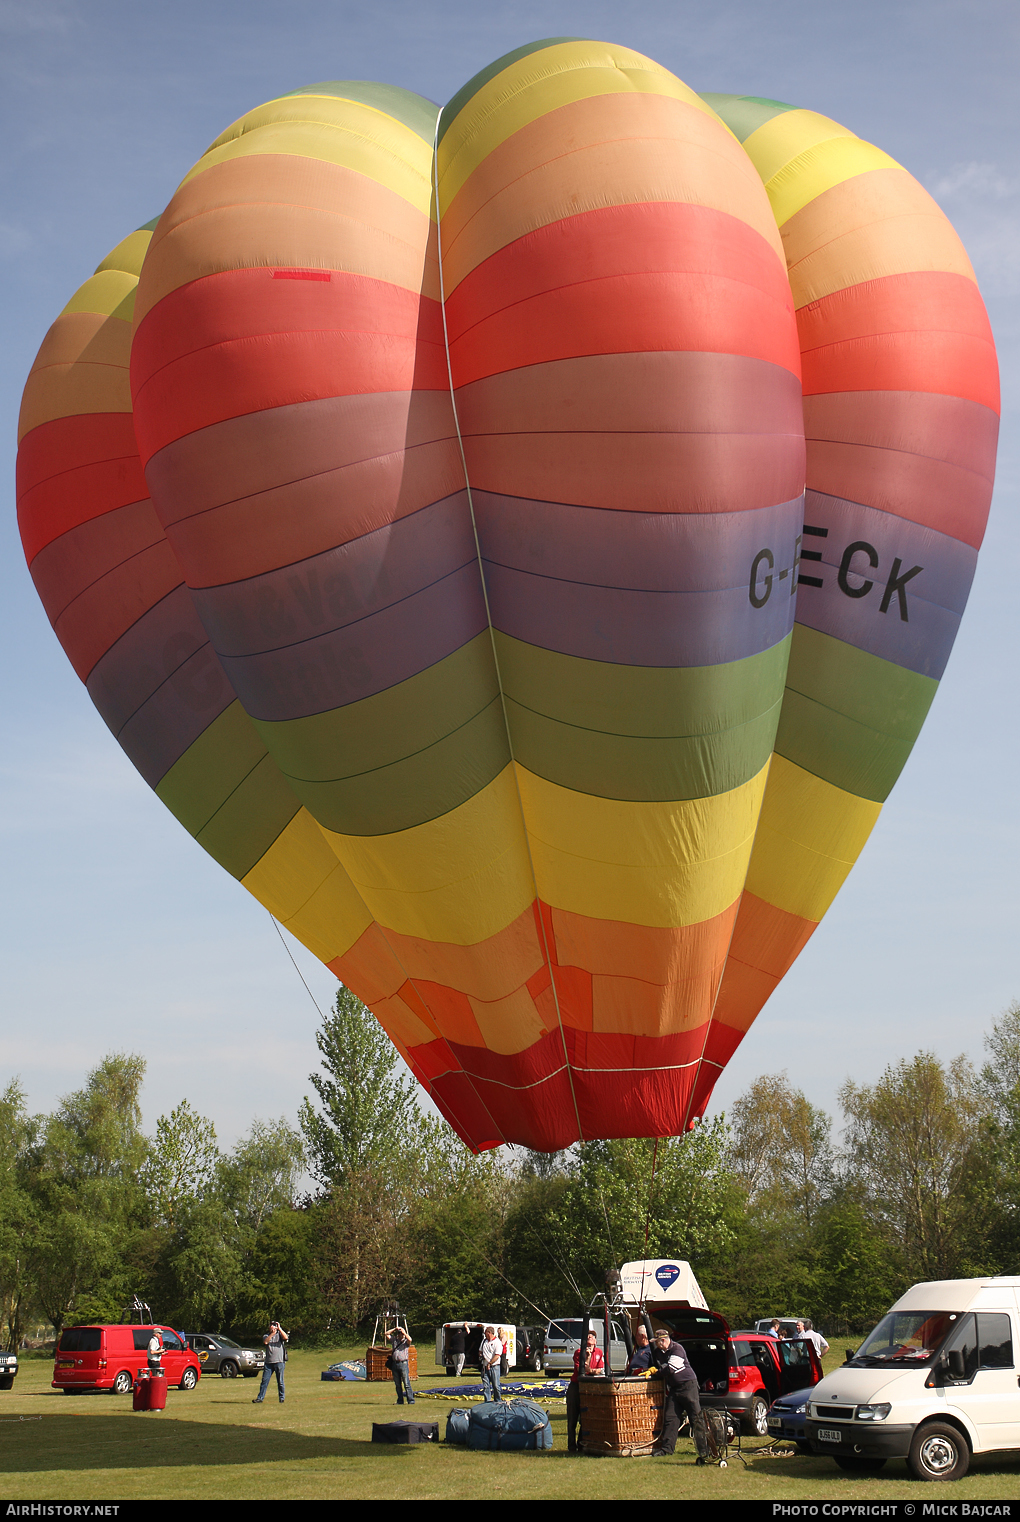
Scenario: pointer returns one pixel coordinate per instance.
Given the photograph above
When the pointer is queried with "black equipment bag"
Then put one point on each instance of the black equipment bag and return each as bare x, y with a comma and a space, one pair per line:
405, 1432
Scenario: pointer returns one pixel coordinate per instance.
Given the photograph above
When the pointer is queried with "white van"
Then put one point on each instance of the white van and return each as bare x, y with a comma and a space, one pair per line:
934, 1382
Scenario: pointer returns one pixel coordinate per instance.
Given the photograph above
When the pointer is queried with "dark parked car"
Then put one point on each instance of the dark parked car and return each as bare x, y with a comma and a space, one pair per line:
788, 1418
8, 1369
742, 1373
528, 1345
224, 1356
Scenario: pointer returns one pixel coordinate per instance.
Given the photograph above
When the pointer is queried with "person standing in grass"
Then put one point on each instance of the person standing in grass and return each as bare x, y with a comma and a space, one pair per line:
489, 1355
594, 1366
400, 1358
456, 1346
275, 1340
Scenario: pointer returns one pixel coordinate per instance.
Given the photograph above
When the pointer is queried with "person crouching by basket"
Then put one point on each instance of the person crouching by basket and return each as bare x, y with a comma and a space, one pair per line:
400, 1360
681, 1391
594, 1364
489, 1355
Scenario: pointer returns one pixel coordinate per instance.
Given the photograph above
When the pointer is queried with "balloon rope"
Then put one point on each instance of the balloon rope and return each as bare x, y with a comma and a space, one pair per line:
492, 636
648, 1217
295, 966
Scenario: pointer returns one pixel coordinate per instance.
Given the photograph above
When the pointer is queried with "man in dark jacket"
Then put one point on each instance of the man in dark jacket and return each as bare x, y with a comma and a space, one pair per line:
456, 1346
681, 1390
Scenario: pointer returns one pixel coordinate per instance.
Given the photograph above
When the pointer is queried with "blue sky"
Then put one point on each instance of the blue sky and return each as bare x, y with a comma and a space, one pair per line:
118, 933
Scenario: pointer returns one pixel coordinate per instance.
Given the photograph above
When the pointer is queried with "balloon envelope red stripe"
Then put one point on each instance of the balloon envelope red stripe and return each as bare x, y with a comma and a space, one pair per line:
74, 469
240, 342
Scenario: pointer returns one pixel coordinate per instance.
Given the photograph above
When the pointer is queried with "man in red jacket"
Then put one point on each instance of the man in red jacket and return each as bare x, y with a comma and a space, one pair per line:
594, 1364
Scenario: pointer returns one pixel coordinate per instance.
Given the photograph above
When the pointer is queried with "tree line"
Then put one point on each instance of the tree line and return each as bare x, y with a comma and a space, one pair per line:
777, 1210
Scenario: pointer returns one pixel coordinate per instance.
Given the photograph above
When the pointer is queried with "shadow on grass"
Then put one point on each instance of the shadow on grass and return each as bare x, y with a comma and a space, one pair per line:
61, 1443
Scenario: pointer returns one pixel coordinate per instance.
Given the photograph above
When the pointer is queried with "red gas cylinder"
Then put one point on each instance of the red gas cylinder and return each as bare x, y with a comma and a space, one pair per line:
150, 1391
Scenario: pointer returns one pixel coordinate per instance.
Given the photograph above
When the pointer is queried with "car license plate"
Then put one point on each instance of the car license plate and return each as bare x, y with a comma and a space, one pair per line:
829, 1435
775, 1421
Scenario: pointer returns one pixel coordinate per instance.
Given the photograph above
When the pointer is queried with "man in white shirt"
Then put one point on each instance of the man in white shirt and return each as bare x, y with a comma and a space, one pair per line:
806, 1333
489, 1355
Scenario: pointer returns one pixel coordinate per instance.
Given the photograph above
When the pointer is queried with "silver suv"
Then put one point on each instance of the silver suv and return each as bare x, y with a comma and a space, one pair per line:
224, 1356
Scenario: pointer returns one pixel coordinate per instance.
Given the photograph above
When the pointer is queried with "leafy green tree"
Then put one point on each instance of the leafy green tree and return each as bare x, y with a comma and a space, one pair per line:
262, 1173
781, 1147
999, 1081
630, 1199
181, 1165
282, 1282
207, 1272
913, 1149
367, 1111
198, 1275
854, 1280
454, 1234
91, 1249
999, 1084
18, 1220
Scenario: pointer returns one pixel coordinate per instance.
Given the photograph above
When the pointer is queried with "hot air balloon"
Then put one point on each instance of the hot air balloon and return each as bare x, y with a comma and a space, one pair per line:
422, 499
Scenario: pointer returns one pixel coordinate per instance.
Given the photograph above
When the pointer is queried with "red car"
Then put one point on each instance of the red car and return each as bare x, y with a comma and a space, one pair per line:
108, 1358
739, 1372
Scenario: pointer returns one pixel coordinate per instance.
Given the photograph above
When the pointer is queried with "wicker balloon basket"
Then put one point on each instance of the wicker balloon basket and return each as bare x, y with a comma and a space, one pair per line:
375, 1363
620, 1417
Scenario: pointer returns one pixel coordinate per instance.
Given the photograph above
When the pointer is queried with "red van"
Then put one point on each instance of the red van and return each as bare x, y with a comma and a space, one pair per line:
108, 1358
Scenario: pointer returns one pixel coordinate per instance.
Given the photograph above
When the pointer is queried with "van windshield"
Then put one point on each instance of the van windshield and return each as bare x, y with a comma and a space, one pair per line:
906, 1337
569, 1330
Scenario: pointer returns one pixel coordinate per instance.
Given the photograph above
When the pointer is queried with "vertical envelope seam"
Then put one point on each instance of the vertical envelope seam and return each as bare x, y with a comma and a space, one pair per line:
540, 917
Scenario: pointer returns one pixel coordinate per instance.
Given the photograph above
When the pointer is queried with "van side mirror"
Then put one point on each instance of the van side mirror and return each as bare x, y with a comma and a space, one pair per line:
850, 1353
957, 1366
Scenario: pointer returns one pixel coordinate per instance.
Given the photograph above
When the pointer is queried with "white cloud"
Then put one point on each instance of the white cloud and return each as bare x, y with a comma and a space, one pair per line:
13, 239
20, 20
975, 180
983, 203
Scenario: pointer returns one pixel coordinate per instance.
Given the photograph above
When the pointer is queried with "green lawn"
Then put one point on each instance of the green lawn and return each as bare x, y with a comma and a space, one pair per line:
214, 1444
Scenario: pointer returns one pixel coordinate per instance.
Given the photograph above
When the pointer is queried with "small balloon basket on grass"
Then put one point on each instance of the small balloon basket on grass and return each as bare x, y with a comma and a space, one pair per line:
620, 1417
375, 1363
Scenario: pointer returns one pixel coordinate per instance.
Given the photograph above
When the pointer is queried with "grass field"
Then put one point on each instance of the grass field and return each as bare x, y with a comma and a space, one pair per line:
214, 1444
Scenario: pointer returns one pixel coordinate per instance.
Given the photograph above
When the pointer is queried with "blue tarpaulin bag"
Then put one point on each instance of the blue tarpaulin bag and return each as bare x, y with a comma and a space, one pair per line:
509, 1424
457, 1427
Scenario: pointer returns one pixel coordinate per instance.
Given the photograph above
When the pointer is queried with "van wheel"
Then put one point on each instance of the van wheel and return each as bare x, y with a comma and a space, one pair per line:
857, 1462
189, 1379
121, 1385
757, 1423
938, 1452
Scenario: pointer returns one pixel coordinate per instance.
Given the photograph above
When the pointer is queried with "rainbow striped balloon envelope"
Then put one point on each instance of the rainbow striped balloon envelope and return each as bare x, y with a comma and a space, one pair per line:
521, 542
